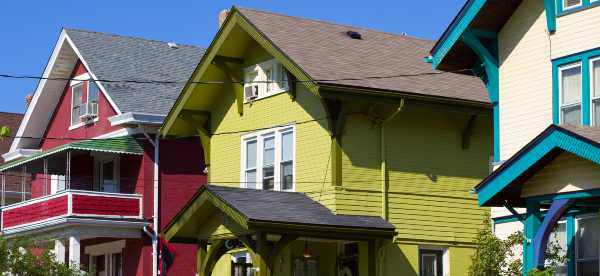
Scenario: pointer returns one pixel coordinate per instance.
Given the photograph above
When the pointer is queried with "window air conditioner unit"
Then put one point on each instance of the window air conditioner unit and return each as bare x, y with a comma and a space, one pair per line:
88, 111
251, 92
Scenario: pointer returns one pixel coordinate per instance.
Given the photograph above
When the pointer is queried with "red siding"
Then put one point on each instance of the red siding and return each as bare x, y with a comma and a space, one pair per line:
35, 212
61, 119
182, 166
103, 205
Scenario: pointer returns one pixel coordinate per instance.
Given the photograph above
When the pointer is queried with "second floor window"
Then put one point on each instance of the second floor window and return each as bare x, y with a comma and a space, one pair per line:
268, 160
76, 101
264, 80
570, 94
569, 4
595, 67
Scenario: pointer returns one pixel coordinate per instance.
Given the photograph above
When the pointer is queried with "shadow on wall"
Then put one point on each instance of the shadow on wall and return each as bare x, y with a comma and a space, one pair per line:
397, 263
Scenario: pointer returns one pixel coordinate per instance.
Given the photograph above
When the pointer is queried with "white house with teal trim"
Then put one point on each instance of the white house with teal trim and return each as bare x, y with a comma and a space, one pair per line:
540, 60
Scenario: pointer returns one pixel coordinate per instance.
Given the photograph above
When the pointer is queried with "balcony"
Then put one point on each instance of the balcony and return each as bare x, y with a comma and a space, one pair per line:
57, 209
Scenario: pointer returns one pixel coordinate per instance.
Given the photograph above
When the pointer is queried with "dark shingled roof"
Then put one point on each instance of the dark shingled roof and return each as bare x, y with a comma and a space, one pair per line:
290, 207
325, 52
590, 133
116, 57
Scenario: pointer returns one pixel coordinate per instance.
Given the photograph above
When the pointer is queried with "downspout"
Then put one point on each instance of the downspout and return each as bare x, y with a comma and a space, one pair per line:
155, 144
382, 145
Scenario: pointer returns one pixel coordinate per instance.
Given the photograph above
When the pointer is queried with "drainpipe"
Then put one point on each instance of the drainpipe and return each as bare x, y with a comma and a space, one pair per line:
155, 144
382, 145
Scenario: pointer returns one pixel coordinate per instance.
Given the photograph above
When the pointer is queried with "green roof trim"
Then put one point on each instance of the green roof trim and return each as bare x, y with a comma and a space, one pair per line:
119, 145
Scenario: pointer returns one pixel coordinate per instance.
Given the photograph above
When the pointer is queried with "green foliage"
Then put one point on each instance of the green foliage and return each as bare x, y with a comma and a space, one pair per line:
4, 132
24, 257
496, 257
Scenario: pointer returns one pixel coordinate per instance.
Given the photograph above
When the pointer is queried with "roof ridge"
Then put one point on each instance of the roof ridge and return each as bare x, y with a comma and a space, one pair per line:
336, 24
131, 37
14, 113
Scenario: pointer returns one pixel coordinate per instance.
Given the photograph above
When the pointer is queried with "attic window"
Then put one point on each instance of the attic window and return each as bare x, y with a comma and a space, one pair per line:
354, 34
568, 4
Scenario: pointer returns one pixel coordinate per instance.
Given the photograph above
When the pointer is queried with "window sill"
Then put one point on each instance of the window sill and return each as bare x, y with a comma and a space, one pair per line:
78, 125
274, 93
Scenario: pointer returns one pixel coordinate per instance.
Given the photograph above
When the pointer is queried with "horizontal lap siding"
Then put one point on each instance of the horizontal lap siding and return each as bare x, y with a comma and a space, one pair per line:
35, 212
525, 54
430, 176
101, 205
566, 173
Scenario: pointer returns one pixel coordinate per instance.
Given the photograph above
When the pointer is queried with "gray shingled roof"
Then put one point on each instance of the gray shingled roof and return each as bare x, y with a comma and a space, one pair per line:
290, 207
324, 51
116, 57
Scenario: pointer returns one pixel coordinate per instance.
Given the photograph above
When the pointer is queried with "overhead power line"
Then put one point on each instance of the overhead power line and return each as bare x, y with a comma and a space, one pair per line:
141, 81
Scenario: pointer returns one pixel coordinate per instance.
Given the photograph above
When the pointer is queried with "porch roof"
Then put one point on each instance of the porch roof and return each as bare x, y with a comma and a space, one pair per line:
260, 210
505, 183
118, 145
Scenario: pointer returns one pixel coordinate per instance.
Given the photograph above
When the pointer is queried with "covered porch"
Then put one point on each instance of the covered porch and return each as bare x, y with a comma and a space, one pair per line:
79, 192
256, 232
556, 180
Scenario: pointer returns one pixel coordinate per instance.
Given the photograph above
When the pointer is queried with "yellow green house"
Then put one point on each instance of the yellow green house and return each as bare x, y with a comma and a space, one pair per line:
330, 150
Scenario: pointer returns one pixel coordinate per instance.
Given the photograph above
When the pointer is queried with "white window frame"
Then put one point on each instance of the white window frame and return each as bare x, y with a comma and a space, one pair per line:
107, 250
565, 8
75, 125
576, 253
560, 91
445, 257
79, 80
592, 88
278, 85
259, 137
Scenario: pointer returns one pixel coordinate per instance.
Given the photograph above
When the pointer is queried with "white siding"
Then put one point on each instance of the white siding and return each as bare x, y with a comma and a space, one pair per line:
525, 52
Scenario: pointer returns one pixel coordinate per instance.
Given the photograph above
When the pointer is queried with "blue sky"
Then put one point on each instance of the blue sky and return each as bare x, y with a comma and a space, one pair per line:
29, 29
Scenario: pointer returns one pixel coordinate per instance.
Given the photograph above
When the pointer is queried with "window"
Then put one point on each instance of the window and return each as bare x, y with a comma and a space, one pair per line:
268, 159
241, 264
595, 78
264, 79
76, 101
586, 243
570, 94
558, 237
431, 262
305, 267
106, 259
106, 173
569, 4
57, 183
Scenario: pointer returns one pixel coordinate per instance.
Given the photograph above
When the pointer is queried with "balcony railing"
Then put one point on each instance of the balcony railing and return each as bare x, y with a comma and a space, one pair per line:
70, 203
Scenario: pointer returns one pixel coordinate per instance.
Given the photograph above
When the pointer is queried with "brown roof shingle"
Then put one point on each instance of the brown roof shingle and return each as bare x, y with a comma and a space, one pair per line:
11, 120
325, 52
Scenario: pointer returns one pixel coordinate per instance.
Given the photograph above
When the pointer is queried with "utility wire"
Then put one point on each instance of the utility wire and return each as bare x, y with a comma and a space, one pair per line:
9, 76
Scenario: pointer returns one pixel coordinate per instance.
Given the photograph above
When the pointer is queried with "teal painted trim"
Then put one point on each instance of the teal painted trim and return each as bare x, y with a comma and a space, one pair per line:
532, 225
571, 245
550, 15
483, 33
490, 62
455, 32
584, 59
585, 4
506, 219
556, 139
555, 96
585, 92
513, 218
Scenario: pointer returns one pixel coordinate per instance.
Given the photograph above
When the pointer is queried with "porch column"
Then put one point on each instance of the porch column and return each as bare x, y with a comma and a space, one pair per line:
260, 258
74, 250
3, 189
59, 250
372, 258
68, 171
532, 225
23, 182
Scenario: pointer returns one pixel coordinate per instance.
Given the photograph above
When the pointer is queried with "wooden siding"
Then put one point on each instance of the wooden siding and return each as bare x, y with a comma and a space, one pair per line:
525, 54
430, 175
566, 173
104, 205
35, 212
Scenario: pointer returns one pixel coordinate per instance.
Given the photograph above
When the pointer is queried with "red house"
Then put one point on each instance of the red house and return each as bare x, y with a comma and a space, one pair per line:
88, 142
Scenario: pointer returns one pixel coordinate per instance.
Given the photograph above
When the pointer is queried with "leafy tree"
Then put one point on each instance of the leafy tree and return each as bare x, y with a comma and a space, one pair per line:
497, 257
24, 257
4, 132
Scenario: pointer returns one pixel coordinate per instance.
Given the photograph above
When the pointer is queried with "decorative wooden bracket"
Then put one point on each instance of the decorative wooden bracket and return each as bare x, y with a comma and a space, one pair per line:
234, 75
200, 121
216, 250
292, 85
467, 132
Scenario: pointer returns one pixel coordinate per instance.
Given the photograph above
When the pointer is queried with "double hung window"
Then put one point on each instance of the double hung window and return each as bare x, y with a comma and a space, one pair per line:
76, 101
595, 79
264, 79
570, 94
268, 160
586, 245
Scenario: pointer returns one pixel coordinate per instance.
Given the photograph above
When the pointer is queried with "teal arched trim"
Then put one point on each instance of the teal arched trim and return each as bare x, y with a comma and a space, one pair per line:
552, 138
